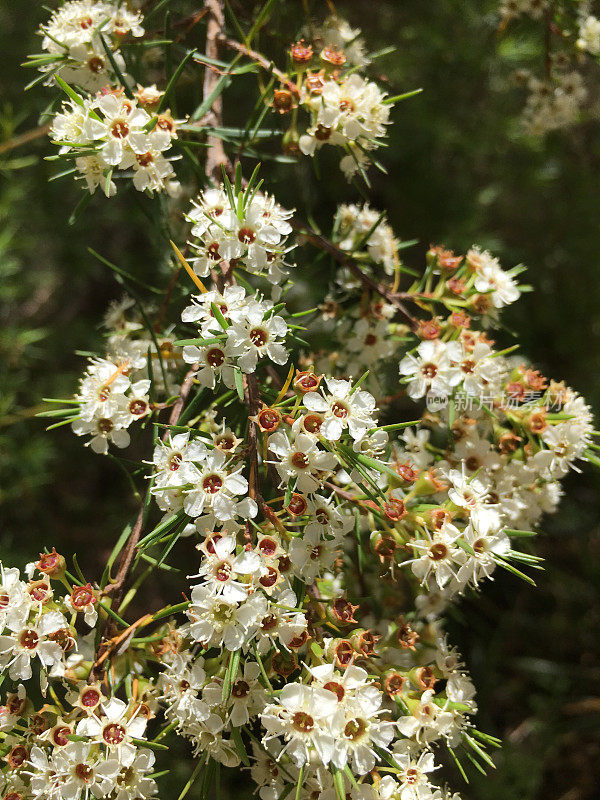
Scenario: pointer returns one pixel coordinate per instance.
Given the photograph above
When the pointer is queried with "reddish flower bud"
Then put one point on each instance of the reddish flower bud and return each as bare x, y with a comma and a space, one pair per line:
283, 101
334, 56
284, 663
343, 610
17, 756
267, 419
315, 81
82, 597
384, 546
406, 636
424, 677
297, 505
301, 52
307, 381
429, 329
393, 683
394, 509
52, 564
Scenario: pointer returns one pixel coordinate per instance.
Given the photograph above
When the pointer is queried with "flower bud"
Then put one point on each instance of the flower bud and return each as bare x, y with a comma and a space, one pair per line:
406, 636
297, 505
306, 381
267, 419
52, 564
17, 756
394, 682
394, 509
423, 677
428, 483
342, 611
333, 55
341, 652
283, 101
284, 663
301, 52
364, 641
383, 545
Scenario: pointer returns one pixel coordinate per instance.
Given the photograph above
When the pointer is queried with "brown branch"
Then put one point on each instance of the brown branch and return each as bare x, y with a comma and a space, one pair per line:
347, 261
23, 138
216, 156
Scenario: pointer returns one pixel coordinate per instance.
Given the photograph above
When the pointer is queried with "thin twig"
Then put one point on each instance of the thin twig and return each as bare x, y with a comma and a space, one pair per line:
23, 138
347, 261
259, 59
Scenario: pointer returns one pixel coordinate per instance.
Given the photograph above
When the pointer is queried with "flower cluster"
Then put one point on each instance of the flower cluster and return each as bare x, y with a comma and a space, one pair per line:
564, 94
79, 37
114, 391
236, 332
251, 233
111, 134
326, 536
349, 112
361, 227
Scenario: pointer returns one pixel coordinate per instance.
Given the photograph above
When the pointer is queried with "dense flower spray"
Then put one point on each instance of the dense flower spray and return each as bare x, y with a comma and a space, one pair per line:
336, 477
561, 83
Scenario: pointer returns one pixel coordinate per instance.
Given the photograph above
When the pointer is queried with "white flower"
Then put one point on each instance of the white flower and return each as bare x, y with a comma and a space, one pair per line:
430, 370
15, 602
82, 772
427, 722
101, 389
490, 277
28, 640
302, 718
216, 489
175, 459
214, 364
217, 622
231, 303
480, 561
117, 130
115, 728
589, 35
439, 552
350, 113
415, 447
472, 495
255, 337
301, 460
343, 408
221, 568
280, 623
412, 781
355, 725
181, 683
102, 430
247, 696
313, 553
253, 234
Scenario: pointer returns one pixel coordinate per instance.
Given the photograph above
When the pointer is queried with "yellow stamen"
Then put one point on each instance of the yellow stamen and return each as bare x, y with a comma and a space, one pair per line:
188, 269
124, 366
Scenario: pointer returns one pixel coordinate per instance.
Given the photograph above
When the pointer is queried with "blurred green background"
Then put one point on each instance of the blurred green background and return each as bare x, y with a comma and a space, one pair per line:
459, 173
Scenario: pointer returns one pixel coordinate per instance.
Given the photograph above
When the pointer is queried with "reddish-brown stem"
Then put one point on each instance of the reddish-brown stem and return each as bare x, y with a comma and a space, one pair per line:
23, 138
347, 261
259, 59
